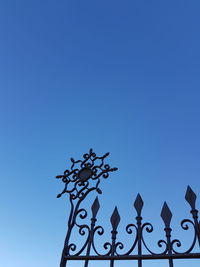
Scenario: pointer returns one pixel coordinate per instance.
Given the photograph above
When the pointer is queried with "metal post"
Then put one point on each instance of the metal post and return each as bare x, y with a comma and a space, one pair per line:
139, 236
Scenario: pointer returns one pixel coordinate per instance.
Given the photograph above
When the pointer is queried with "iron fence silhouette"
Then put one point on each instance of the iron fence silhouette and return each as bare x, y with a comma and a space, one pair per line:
83, 177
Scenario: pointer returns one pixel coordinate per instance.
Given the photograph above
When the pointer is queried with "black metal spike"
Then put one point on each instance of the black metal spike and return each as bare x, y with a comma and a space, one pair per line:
190, 197
138, 204
106, 154
113, 169
115, 219
95, 207
166, 215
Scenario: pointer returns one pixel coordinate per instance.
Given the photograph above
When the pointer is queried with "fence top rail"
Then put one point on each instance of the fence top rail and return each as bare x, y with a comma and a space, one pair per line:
136, 257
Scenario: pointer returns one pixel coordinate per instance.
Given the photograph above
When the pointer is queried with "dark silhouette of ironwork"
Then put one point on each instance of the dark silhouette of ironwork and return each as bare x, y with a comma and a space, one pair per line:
84, 177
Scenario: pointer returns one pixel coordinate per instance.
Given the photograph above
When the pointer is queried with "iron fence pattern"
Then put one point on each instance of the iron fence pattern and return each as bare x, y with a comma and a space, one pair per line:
85, 176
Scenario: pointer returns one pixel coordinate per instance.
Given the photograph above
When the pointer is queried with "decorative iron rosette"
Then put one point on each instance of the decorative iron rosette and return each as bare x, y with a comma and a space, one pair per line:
84, 175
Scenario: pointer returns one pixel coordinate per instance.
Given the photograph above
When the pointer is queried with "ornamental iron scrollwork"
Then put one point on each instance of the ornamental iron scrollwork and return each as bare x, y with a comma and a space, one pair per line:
84, 177
78, 178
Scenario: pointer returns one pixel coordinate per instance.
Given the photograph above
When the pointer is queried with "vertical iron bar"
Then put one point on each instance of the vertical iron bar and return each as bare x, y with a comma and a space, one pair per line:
138, 204
115, 219
71, 222
91, 236
139, 236
168, 236
196, 223
114, 234
166, 215
63, 261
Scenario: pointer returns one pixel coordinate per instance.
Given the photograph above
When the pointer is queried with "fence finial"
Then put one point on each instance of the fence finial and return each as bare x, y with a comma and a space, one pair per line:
138, 204
115, 219
190, 197
95, 207
166, 215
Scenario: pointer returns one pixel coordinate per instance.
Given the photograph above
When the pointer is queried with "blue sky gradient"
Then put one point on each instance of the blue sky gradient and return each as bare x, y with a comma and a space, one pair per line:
118, 76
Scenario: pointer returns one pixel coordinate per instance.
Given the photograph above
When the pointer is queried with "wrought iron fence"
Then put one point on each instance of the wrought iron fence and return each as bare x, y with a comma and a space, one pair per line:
85, 176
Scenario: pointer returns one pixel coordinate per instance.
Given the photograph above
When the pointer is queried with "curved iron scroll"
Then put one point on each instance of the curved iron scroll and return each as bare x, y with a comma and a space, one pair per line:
83, 177
114, 249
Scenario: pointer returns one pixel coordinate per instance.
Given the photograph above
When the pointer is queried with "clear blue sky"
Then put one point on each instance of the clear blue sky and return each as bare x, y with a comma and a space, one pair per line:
118, 76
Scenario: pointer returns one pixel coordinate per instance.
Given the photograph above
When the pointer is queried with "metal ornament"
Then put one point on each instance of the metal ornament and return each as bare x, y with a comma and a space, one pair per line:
84, 177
